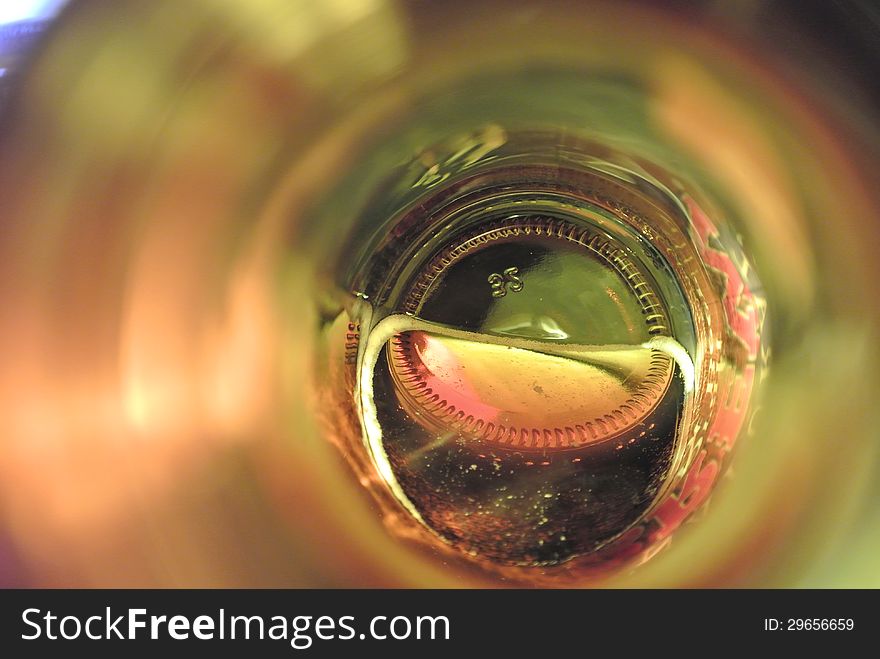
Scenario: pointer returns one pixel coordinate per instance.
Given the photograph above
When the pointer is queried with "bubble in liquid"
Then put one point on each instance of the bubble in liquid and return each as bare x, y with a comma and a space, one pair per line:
562, 362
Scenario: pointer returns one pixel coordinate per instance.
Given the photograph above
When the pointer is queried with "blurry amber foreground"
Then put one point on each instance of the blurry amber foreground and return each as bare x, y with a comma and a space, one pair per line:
157, 421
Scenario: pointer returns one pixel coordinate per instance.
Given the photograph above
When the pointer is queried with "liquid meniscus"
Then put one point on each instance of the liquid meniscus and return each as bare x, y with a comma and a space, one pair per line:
534, 354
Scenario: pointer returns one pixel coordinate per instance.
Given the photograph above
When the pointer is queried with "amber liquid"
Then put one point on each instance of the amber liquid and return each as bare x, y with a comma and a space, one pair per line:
530, 355
524, 402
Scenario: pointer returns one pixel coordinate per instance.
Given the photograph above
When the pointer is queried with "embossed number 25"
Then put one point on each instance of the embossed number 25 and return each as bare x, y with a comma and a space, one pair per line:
509, 281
